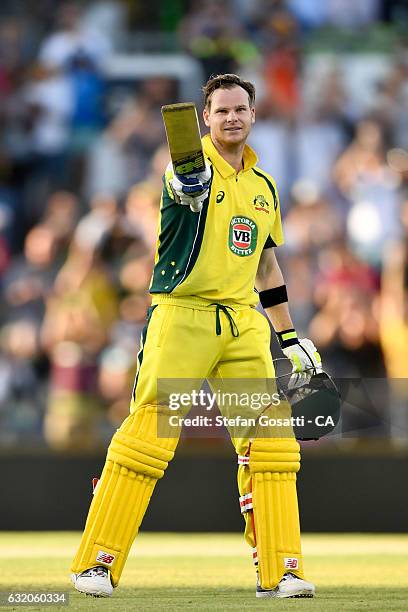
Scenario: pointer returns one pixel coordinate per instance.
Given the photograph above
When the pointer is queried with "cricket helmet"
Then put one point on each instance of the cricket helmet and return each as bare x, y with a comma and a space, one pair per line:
315, 404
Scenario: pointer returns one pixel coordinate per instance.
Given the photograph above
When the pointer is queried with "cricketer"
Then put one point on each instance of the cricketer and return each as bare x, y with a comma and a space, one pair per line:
216, 242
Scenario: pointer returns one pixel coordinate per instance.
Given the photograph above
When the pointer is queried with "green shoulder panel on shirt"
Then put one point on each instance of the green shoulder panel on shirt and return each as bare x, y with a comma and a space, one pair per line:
180, 238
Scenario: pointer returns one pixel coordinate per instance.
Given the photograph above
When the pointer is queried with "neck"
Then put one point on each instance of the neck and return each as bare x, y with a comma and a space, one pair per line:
233, 155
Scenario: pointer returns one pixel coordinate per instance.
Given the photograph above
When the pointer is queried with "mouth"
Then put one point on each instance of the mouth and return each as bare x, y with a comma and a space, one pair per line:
232, 129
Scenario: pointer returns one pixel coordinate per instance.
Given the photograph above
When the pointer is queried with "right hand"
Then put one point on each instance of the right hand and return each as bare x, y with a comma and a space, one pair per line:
192, 189
305, 360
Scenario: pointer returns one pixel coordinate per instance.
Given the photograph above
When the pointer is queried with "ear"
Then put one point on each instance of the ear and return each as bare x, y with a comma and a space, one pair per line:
253, 114
206, 115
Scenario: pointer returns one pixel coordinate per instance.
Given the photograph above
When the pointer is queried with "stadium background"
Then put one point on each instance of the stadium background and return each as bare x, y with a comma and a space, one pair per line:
81, 157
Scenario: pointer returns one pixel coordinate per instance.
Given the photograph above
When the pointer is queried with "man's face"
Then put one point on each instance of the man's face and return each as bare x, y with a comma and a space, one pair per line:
229, 116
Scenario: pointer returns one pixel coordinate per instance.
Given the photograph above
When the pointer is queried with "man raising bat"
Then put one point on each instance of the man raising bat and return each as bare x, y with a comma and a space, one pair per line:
203, 324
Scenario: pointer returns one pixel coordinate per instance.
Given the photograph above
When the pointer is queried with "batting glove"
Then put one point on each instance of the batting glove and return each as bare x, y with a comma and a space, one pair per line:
305, 360
192, 190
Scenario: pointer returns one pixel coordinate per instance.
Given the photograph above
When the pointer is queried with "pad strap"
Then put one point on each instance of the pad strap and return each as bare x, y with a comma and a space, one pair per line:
243, 460
245, 502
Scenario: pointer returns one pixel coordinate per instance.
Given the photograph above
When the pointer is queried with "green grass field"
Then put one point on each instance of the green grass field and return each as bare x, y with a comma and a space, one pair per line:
213, 572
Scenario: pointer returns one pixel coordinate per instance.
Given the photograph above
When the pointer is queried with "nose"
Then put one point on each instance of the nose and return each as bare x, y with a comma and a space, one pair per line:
232, 116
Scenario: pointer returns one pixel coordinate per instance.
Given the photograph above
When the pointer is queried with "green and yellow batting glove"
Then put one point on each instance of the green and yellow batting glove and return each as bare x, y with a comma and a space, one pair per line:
302, 354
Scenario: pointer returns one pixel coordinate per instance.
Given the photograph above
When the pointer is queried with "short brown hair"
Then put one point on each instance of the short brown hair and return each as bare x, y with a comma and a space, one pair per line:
227, 81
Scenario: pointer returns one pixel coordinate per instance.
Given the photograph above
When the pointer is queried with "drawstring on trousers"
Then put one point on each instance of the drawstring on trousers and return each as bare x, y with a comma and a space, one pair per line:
225, 310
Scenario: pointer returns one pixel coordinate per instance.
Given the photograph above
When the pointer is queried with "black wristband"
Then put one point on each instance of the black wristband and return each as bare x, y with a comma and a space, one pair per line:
286, 338
273, 297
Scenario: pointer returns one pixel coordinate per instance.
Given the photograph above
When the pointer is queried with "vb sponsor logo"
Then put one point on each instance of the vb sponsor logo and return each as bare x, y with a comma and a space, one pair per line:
243, 235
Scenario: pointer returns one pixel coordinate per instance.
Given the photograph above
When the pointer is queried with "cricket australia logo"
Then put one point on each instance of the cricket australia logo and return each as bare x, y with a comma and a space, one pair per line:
260, 203
243, 234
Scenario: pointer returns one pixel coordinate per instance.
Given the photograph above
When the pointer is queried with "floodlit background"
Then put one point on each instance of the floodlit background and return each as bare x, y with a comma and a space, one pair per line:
82, 152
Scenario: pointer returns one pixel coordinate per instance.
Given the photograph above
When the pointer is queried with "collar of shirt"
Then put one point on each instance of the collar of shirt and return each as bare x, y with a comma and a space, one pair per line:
250, 158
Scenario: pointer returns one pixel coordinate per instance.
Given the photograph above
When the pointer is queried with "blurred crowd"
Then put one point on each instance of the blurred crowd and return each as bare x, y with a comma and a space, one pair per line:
81, 177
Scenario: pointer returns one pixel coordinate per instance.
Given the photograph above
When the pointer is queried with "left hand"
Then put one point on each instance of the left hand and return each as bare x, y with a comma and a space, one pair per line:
305, 360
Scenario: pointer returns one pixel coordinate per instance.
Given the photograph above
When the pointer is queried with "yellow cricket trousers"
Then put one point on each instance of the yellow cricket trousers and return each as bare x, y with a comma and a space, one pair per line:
183, 339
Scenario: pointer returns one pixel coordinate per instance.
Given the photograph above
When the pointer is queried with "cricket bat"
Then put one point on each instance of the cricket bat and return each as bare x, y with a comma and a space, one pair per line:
183, 137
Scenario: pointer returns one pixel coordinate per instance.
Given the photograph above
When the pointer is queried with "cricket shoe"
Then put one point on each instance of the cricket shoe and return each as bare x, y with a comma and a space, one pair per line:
94, 581
289, 586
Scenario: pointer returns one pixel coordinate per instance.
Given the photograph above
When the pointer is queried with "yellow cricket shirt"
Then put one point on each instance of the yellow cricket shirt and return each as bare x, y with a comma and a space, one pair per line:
214, 254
